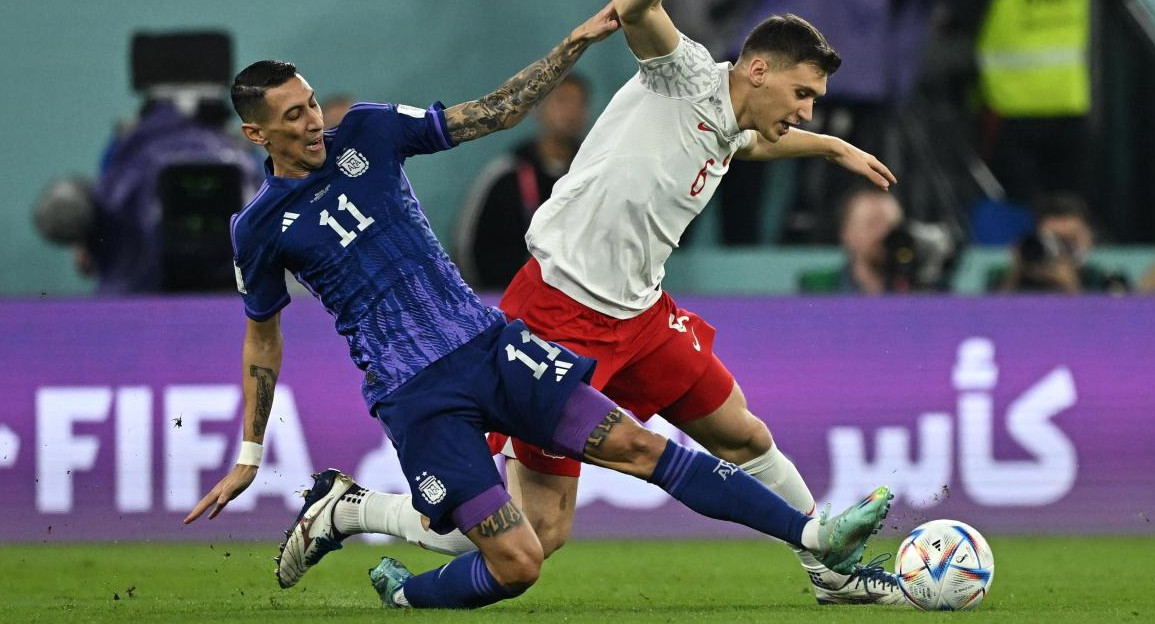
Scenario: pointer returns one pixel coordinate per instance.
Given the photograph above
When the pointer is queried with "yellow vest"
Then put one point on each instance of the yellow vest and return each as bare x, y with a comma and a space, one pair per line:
1033, 57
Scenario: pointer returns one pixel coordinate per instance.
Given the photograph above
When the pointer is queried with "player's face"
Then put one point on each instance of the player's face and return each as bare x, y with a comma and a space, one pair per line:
785, 97
292, 129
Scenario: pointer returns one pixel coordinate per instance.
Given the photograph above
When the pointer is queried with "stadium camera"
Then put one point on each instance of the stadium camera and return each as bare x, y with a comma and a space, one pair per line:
918, 257
190, 69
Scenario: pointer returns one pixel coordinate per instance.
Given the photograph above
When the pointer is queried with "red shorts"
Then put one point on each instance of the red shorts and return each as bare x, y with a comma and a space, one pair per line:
661, 361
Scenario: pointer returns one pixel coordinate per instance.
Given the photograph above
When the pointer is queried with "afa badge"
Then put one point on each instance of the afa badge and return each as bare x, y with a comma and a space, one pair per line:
352, 163
431, 488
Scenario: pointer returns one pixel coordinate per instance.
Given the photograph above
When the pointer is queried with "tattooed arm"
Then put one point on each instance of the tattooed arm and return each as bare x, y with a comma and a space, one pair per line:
261, 359
512, 101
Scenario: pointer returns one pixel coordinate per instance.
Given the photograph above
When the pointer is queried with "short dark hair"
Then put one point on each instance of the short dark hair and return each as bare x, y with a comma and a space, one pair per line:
1059, 204
250, 85
791, 40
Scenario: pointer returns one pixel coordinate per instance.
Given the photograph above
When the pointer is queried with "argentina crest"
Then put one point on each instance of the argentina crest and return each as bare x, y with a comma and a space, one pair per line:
352, 163
431, 488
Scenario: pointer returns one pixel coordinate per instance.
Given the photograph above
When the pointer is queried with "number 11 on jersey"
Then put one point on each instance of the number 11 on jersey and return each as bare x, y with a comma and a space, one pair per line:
348, 206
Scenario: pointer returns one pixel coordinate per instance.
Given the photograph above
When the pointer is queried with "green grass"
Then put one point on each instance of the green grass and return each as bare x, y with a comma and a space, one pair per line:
1049, 580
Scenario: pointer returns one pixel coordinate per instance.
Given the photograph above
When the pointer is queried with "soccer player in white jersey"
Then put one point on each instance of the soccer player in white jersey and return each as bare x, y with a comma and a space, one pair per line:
650, 164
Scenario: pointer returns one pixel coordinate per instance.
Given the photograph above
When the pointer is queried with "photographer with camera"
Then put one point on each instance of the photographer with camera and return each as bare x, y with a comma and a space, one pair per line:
1053, 258
884, 252
867, 219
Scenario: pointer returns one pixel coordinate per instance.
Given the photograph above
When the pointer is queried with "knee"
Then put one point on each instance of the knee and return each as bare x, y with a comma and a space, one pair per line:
553, 535
518, 569
645, 446
743, 443
525, 569
629, 443
643, 449
628, 448
759, 441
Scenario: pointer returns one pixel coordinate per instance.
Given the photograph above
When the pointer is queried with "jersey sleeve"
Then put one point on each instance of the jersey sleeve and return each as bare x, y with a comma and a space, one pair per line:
260, 277
411, 130
689, 72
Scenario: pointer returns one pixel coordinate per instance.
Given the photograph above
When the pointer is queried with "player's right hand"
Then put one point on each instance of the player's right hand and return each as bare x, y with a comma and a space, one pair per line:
864, 164
603, 24
236, 481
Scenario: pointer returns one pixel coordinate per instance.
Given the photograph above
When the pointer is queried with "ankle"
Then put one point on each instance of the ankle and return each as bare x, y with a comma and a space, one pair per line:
810, 532
348, 514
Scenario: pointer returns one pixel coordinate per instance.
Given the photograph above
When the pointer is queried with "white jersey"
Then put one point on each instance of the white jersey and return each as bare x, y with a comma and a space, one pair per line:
653, 159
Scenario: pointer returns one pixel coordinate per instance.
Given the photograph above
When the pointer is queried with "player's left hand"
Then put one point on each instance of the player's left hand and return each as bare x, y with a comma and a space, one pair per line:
864, 164
237, 481
603, 24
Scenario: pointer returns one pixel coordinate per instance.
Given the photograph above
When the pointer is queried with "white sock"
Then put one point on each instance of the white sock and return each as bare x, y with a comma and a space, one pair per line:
778, 473
809, 539
347, 513
366, 511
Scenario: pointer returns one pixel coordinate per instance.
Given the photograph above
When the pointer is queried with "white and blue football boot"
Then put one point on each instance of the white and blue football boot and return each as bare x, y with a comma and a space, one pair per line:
313, 534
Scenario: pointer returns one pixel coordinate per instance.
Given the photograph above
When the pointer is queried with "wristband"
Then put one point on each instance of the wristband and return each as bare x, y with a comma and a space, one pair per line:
250, 454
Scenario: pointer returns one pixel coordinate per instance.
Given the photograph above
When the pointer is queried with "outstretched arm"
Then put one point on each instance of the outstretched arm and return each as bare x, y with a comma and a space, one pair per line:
512, 101
261, 360
649, 30
800, 143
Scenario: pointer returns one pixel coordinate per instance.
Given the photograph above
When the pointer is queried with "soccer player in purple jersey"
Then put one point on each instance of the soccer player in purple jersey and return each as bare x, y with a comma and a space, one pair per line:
441, 368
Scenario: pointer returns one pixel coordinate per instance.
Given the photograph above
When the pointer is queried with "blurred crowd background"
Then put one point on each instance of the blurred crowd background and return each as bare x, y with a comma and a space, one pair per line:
1018, 130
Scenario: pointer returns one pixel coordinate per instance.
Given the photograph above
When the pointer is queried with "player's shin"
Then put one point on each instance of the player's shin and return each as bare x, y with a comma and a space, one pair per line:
367, 511
710, 486
777, 472
464, 583
719, 489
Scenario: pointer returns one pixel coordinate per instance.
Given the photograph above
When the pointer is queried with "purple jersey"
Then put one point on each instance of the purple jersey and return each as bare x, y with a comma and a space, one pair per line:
354, 234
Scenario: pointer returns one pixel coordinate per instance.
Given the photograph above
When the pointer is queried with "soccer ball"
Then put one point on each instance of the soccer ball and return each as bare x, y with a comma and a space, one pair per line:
945, 565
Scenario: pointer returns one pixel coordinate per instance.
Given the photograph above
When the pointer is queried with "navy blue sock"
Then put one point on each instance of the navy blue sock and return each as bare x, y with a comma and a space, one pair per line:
464, 583
719, 489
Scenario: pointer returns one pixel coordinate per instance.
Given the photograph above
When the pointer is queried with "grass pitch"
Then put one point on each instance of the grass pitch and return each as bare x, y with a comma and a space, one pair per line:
1050, 580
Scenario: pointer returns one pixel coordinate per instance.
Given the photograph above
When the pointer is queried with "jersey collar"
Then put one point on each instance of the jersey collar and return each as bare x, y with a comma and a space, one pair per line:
727, 116
283, 182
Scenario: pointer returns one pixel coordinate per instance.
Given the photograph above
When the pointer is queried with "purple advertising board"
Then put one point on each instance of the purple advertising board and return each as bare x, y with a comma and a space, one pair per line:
1017, 415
